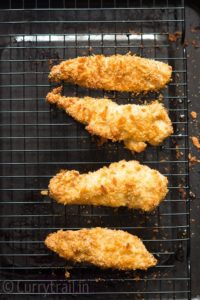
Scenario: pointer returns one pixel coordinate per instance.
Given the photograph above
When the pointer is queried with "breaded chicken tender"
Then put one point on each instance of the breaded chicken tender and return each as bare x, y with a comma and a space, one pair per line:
102, 247
134, 124
128, 73
124, 183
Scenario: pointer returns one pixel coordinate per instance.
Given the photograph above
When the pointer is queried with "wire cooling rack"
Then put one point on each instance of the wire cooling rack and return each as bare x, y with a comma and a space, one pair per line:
38, 140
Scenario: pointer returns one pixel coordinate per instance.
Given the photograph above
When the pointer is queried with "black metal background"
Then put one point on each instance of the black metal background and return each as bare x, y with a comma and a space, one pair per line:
38, 140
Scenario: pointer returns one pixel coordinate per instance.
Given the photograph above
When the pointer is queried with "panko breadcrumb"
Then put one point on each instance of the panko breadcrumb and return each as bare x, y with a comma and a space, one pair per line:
44, 193
124, 183
134, 124
128, 73
102, 247
195, 142
193, 115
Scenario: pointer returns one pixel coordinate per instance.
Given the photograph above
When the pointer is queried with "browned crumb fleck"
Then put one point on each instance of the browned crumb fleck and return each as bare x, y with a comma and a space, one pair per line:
186, 43
192, 195
174, 36
182, 192
136, 278
50, 63
133, 32
178, 152
160, 97
193, 159
194, 29
193, 115
195, 44
103, 189
196, 142
44, 193
67, 274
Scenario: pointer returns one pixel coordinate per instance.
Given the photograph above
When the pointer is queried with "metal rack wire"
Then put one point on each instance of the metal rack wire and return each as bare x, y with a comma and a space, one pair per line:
38, 140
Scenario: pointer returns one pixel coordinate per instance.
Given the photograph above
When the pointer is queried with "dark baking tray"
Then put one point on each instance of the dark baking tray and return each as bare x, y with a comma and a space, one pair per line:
38, 140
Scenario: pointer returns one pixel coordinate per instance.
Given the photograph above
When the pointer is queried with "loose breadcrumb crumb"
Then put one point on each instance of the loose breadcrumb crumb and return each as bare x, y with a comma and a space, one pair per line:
193, 115
195, 44
193, 159
195, 29
67, 274
174, 36
182, 192
196, 142
178, 152
137, 278
44, 193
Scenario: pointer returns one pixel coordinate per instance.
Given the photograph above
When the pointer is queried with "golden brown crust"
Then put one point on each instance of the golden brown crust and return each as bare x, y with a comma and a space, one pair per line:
102, 247
134, 124
117, 72
121, 184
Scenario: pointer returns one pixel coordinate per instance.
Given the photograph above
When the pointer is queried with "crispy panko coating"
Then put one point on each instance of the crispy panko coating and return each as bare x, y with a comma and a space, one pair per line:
124, 183
102, 247
131, 123
128, 73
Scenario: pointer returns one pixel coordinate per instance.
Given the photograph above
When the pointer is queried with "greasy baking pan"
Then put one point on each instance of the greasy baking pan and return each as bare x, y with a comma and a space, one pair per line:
38, 140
